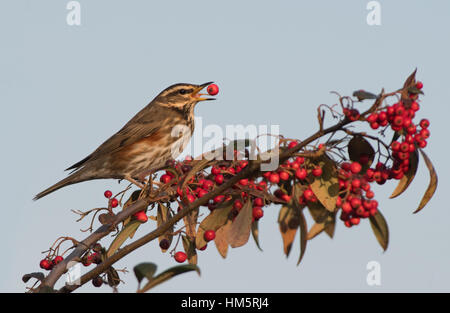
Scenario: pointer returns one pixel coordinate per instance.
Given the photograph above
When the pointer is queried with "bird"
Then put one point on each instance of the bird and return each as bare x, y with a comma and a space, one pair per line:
156, 134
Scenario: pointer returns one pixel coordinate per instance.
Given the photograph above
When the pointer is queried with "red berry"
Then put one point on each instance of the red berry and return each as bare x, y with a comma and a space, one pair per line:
108, 194
374, 125
355, 202
317, 171
213, 89
372, 118
292, 144
257, 212
238, 205
209, 235
274, 178
45, 264
424, 123
165, 178
180, 256
301, 173
308, 194
218, 179
243, 182
219, 198
354, 220
370, 194
203, 248
419, 85
284, 175
424, 133
141, 216
215, 171
258, 202
57, 259
355, 167
114, 202
346, 207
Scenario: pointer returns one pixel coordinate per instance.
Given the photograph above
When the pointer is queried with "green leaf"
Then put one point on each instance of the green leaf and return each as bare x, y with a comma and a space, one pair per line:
380, 229
162, 217
122, 236
168, 274
239, 231
358, 147
255, 234
326, 187
145, 270
431, 186
406, 180
213, 221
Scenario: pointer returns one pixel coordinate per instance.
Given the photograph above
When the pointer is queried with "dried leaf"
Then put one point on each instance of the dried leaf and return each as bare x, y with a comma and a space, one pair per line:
221, 240
239, 231
190, 221
132, 199
358, 147
289, 221
255, 234
189, 248
432, 185
213, 221
112, 277
168, 274
362, 95
410, 82
326, 187
145, 270
380, 229
122, 236
162, 217
315, 230
408, 177
105, 218
38, 275
330, 225
303, 236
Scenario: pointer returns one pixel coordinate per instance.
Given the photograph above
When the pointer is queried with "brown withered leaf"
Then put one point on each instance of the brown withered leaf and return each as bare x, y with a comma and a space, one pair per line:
213, 221
163, 215
221, 240
358, 146
380, 229
406, 180
122, 236
239, 231
432, 185
112, 277
318, 212
106, 218
315, 230
189, 248
303, 235
190, 221
289, 221
326, 187
410, 82
330, 225
255, 234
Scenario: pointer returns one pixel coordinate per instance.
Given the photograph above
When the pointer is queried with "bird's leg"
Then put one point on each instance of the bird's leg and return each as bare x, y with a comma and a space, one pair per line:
135, 182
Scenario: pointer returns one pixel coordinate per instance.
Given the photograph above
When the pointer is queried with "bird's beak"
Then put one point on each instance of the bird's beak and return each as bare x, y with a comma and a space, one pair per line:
197, 95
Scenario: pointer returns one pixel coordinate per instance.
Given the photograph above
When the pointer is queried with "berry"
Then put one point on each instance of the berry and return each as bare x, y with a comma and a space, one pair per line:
97, 281
301, 173
141, 216
180, 256
45, 264
209, 235
213, 89
284, 175
424, 123
164, 244
108, 194
274, 178
355, 167
238, 204
354, 220
317, 171
257, 213
419, 85
57, 259
258, 202
114, 202
218, 179
165, 178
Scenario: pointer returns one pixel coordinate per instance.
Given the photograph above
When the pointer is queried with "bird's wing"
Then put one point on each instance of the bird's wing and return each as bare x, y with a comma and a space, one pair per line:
147, 122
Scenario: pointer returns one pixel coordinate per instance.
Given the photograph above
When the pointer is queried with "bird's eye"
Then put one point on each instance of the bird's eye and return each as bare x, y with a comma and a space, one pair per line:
183, 91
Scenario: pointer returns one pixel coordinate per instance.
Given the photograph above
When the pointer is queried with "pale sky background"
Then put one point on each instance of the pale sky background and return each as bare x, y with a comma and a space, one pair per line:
65, 89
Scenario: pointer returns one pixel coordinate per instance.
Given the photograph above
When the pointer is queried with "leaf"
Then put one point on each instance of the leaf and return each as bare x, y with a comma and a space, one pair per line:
432, 185
358, 146
288, 220
105, 218
162, 217
410, 82
213, 221
190, 220
326, 187
113, 277
132, 199
189, 248
239, 231
406, 180
145, 270
255, 234
38, 275
303, 236
221, 240
122, 236
362, 95
330, 225
316, 229
168, 274
380, 229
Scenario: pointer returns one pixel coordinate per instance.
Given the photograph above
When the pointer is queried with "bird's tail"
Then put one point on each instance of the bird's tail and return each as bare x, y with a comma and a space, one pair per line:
76, 177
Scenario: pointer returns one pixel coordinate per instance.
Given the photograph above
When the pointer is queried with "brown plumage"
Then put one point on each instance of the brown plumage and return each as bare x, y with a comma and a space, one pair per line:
159, 132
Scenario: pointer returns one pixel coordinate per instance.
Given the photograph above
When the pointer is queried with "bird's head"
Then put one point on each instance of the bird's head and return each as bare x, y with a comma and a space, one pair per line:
182, 96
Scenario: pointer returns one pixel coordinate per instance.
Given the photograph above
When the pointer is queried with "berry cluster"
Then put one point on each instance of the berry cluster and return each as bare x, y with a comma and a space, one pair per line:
47, 263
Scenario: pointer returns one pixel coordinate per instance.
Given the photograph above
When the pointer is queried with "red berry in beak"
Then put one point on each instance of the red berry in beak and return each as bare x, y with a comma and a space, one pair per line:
213, 89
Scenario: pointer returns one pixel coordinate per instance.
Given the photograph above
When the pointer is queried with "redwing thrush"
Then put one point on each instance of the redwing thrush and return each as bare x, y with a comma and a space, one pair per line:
159, 132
